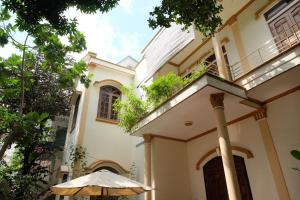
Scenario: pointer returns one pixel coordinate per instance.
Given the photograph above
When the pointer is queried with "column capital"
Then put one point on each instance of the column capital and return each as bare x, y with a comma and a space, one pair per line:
217, 99
260, 114
147, 138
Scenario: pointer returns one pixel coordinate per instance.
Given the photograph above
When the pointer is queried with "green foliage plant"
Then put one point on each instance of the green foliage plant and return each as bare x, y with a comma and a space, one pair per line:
203, 14
35, 86
26, 168
131, 109
201, 69
296, 155
163, 88
78, 154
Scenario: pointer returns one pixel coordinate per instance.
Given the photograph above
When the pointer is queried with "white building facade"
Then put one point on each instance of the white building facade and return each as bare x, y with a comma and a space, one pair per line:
243, 114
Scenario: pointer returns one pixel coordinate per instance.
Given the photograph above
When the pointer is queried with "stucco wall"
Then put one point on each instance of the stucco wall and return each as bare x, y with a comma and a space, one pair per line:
245, 134
72, 134
284, 122
105, 141
138, 159
169, 170
254, 32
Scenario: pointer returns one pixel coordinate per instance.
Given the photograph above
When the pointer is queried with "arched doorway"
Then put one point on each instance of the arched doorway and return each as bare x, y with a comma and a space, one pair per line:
214, 177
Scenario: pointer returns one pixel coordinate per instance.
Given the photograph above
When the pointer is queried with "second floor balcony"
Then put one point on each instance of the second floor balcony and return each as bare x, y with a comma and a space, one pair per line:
270, 68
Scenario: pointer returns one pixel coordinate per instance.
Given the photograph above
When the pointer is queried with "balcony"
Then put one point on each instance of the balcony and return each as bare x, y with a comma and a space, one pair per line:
270, 52
191, 104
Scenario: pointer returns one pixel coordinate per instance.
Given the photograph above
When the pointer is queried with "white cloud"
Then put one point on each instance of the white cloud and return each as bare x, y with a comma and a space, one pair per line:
105, 39
126, 5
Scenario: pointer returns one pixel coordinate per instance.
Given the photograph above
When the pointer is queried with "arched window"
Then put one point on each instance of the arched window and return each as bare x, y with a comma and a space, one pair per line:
107, 97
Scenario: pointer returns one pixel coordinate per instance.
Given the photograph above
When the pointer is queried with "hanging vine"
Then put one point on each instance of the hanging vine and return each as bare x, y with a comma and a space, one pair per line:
78, 154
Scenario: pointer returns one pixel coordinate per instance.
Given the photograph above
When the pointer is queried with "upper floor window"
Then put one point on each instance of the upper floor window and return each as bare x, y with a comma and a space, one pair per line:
75, 113
107, 97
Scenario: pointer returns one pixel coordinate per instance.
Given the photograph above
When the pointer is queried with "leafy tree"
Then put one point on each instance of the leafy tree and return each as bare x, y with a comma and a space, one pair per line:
30, 163
36, 83
202, 13
35, 86
33, 13
45, 24
46, 94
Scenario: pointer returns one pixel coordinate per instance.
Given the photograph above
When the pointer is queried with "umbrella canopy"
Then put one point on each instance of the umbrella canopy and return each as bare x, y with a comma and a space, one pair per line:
100, 183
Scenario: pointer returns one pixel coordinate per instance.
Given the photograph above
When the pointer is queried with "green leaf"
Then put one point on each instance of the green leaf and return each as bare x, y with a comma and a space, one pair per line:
203, 14
295, 154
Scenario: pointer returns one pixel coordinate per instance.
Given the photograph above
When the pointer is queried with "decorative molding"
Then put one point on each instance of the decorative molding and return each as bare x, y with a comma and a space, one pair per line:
111, 82
106, 163
264, 7
224, 40
243, 150
202, 134
217, 99
174, 64
260, 114
283, 94
168, 138
147, 138
236, 15
107, 120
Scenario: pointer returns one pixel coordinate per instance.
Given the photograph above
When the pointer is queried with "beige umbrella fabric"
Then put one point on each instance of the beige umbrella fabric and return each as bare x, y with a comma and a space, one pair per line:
100, 183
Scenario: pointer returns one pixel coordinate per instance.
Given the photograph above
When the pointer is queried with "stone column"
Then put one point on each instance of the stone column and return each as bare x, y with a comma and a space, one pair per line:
239, 44
225, 147
147, 162
261, 118
222, 68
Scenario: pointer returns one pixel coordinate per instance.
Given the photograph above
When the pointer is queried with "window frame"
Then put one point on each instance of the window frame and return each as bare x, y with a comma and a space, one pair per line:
75, 113
110, 104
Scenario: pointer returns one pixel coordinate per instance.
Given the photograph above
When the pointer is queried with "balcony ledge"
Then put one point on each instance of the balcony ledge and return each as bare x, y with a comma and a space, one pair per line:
188, 103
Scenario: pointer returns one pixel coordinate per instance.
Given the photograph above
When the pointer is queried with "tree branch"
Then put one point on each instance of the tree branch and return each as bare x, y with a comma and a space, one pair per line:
11, 137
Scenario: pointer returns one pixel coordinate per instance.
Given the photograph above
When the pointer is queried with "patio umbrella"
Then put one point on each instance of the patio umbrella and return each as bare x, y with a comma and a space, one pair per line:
100, 183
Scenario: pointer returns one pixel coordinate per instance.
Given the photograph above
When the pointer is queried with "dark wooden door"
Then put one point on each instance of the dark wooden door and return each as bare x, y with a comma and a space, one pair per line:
215, 183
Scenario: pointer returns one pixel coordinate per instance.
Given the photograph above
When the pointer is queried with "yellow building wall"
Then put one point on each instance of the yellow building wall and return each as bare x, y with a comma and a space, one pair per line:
284, 122
244, 134
170, 170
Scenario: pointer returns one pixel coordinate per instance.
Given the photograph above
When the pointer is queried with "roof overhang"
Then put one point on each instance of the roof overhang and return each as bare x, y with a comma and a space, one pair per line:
192, 104
280, 85
109, 65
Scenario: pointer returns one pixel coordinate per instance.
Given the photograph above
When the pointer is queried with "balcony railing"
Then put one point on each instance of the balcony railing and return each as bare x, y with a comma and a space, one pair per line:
210, 67
273, 47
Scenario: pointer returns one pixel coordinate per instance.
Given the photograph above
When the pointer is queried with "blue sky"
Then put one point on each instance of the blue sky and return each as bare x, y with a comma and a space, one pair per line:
121, 32
114, 35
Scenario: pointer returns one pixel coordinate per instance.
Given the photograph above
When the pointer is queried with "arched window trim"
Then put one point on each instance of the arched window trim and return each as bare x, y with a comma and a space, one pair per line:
213, 151
111, 94
107, 163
